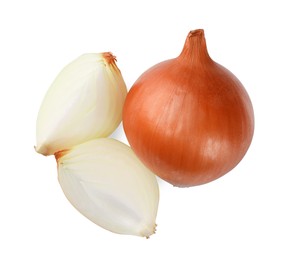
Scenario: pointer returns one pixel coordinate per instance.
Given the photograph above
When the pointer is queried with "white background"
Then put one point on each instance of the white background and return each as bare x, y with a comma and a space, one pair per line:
240, 216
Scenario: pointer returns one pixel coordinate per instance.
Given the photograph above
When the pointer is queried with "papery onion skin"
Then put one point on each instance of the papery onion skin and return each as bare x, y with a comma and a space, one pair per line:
84, 102
189, 119
105, 181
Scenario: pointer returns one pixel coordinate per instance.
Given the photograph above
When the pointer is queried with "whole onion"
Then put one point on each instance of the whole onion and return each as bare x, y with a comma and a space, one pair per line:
189, 119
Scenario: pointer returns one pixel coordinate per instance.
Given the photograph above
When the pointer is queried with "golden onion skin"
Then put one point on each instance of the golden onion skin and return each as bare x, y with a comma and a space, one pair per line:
189, 119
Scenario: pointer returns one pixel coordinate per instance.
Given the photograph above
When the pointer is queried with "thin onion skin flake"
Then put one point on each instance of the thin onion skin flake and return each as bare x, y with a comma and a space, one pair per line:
84, 102
106, 182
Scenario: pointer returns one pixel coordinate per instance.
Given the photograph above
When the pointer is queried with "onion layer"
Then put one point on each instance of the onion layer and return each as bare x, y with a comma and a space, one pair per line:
189, 119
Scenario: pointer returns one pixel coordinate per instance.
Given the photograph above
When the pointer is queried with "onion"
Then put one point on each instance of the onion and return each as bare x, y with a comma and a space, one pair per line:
189, 119
84, 102
108, 184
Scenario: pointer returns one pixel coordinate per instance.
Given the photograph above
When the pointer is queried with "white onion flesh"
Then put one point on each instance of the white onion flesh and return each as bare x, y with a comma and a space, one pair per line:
84, 102
106, 182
